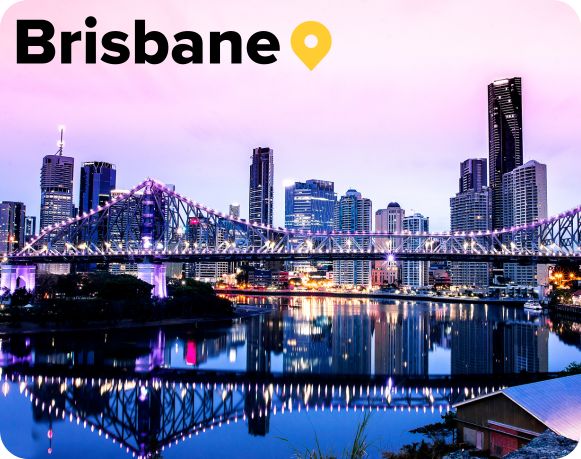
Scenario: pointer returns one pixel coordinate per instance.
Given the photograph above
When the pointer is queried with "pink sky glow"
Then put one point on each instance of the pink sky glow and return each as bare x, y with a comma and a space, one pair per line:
397, 104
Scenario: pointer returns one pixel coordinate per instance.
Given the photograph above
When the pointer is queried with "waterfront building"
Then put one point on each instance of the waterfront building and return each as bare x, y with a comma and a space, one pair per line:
415, 273
524, 194
261, 186
505, 138
471, 210
12, 226
98, 179
389, 220
352, 213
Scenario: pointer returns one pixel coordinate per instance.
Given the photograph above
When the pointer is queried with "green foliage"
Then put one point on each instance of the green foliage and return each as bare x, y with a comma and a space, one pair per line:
94, 285
358, 449
574, 368
78, 299
441, 436
20, 297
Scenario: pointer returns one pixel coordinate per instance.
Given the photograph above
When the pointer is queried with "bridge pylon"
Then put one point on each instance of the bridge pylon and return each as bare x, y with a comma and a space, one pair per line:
17, 276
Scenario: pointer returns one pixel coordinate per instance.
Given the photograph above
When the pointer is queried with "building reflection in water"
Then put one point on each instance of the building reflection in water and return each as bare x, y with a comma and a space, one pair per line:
497, 341
306, 338
315, 335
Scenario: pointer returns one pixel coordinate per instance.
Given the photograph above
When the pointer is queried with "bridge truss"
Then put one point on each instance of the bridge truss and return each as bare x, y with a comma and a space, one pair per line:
153, 222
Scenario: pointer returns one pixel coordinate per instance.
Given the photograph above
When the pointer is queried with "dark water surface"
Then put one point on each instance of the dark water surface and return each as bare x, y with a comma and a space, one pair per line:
267, 385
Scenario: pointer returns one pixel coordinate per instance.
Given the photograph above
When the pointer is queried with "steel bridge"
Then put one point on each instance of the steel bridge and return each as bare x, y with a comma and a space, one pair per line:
152, 224
146, 414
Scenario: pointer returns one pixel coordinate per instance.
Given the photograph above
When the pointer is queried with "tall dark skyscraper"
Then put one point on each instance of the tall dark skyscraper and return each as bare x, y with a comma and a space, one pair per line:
12, 223
261, 186
98, 179
504, 136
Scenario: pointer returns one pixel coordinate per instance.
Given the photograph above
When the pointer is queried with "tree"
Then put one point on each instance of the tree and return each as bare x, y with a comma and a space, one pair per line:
20, 297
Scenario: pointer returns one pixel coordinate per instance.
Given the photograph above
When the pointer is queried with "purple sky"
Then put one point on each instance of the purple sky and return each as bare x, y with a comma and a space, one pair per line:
398, 103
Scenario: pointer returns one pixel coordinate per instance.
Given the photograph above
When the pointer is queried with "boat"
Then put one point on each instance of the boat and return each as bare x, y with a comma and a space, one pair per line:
532, 305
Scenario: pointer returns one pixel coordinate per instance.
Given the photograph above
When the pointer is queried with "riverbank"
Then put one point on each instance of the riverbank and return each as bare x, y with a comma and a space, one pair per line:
566, 309
28, 328
376, 295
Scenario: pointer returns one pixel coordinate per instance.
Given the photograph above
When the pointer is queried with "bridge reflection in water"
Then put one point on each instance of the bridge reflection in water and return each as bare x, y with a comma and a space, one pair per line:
144, 416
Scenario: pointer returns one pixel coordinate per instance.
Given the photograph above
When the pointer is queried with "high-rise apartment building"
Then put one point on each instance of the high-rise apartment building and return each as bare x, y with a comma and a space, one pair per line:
389, 220
473, 175
415, 273
261, 186
353, 213
471, 210
12, 226
524, 194
98, 179
505, 138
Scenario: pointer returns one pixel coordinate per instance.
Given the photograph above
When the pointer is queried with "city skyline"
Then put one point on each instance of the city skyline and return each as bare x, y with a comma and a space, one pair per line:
467, 175
372, 125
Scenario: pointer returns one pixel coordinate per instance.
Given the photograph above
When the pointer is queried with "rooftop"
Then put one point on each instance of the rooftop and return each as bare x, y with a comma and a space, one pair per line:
555, 402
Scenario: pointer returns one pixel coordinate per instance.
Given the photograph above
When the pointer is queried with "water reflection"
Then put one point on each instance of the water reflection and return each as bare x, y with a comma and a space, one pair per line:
324, 336
144, 416
144, 390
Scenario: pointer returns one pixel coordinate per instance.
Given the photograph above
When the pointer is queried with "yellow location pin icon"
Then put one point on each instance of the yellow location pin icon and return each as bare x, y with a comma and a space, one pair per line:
311, 56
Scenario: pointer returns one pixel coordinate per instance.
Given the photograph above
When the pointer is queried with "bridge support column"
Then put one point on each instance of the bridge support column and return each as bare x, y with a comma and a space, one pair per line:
18, 276
153, 274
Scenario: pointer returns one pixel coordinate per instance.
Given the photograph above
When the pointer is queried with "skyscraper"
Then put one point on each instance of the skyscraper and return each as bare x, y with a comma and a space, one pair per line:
389, 220
353, 213
29, 228
12, 225
97, 180
524, 194
471, 210
415, 273
473, 175
261, 186
504, 136
310, 205
56, 187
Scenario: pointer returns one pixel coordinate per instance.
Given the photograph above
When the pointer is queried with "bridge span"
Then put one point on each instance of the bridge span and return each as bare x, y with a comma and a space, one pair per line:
152, 224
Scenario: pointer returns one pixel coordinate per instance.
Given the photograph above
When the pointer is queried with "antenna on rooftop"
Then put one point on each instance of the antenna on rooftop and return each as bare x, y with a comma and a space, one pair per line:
61, 143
